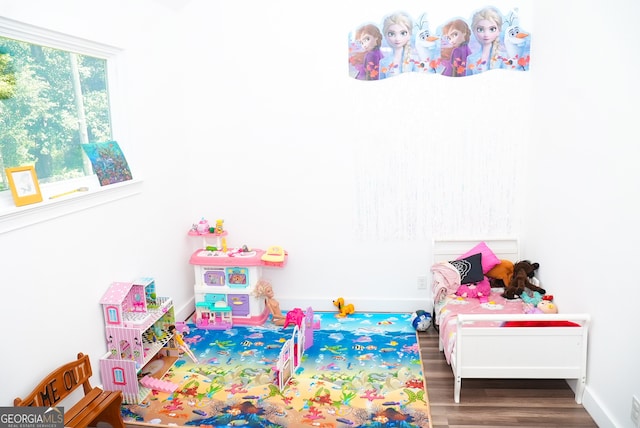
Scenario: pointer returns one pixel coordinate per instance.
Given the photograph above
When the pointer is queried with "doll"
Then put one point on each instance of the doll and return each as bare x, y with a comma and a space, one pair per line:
265, 289
182, 345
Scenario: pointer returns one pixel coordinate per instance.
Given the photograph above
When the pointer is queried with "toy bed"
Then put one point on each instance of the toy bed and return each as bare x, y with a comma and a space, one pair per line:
496, 338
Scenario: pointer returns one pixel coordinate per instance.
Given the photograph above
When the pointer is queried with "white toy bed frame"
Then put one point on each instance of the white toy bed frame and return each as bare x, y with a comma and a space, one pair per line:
514, 352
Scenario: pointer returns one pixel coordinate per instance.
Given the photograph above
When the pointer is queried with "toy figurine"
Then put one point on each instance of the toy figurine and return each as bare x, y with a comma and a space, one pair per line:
203, 226
344, 309
181, 343
294, 316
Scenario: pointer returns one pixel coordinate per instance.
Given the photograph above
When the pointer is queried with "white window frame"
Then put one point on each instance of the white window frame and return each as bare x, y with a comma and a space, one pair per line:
12, 217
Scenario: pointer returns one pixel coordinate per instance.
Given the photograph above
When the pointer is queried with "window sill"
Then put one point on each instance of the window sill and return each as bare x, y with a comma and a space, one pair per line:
18, 217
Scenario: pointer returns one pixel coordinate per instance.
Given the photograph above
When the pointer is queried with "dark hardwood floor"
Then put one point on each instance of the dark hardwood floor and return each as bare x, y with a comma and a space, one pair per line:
496, 403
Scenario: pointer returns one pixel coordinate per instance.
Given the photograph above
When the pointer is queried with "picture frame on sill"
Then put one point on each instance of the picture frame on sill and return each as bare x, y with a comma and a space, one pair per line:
23, 182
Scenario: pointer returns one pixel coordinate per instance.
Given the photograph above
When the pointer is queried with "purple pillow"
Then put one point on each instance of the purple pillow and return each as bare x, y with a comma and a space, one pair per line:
489, 259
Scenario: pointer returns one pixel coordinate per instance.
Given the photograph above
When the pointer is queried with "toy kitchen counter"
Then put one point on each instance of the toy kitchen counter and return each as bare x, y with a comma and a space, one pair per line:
237, 257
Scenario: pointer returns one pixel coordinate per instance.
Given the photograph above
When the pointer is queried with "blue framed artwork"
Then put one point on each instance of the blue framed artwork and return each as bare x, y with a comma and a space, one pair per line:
108, 162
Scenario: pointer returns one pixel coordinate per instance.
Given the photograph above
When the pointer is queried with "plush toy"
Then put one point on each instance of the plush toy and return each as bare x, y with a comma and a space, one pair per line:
539, 304
480, 290
501, 274
523, 272
546, 307
532, 299
421, 320
343, 309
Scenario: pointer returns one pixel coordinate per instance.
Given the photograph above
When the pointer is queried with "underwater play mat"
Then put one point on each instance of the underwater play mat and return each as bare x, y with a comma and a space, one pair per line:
363, 370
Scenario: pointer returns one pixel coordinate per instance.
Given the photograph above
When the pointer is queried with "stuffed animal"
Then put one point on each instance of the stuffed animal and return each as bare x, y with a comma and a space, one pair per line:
523, 271
532, 299
343, 309
480, 290
501, 274
539, 304
546, 307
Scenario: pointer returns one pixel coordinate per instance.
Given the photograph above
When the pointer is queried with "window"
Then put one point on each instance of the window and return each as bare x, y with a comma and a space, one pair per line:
118, 376
52, 102
57, 93
113, 315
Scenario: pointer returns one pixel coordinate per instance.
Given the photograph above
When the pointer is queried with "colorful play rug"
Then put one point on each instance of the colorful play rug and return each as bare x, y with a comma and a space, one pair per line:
362, 371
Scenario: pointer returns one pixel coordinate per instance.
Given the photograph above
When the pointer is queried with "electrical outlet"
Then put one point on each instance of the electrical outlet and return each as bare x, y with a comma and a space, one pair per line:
422, 282
635, 411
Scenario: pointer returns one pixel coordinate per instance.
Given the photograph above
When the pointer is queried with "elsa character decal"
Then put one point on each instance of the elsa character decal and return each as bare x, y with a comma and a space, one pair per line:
486, 26
396, 30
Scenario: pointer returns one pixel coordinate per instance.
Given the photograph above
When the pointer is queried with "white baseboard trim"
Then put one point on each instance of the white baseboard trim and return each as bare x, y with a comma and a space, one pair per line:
361, 305
185, 311
598, 413
326, 305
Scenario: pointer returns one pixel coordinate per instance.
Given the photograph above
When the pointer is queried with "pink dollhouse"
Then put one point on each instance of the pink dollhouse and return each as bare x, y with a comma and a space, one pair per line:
136, 327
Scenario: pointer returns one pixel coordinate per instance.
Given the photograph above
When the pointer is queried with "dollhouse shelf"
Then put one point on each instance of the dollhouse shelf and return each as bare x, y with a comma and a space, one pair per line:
137, 325
144, 320
151, 348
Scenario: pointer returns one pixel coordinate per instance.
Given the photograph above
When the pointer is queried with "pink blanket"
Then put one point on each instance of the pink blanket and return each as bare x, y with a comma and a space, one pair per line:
450, 306
446, 280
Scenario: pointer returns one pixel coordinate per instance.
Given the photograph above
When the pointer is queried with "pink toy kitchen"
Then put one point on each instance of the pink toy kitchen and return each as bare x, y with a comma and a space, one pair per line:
226, 277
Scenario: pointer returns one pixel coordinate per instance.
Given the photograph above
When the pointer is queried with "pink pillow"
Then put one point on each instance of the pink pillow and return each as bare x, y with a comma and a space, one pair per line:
489, 260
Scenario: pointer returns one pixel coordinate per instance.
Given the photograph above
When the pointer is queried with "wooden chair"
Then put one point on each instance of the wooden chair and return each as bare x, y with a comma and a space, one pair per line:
96, 405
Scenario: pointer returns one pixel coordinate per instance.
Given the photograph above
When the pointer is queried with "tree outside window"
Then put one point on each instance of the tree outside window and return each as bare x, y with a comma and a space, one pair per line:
52, 101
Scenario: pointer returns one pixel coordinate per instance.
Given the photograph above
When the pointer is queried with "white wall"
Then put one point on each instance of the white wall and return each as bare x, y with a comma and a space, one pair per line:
317, 162
53, 274
581, 219
244, 111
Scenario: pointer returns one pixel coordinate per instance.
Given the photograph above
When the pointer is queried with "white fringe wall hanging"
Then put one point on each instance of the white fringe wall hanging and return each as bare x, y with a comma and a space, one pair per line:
442, 177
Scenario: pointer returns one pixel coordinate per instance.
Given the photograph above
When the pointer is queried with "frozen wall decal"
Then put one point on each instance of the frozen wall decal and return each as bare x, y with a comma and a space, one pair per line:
487, 40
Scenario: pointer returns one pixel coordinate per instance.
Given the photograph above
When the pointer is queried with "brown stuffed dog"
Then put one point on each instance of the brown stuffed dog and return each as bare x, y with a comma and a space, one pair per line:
522, 271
